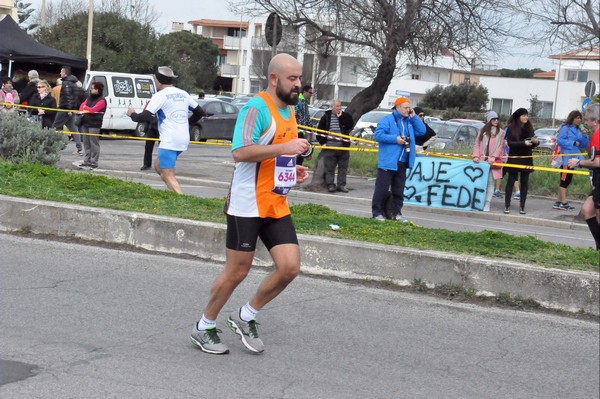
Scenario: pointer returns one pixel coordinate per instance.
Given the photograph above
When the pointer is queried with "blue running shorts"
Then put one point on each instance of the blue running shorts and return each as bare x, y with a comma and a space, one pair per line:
167, 158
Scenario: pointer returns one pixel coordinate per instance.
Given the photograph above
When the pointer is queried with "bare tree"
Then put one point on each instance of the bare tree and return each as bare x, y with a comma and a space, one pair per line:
386, 29
137, 10
574, 22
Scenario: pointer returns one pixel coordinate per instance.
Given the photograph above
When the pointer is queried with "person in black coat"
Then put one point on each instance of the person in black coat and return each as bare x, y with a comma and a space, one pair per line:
43, 98
70, 92
31, 89
521, 141
429, 132
337, 121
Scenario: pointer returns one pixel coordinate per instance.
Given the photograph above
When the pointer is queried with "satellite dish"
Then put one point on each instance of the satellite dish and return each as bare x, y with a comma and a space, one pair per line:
273, 26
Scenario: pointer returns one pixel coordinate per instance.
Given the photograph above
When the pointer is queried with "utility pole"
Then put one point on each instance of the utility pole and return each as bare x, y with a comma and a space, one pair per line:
89, 35
276, 22
43, 13
557, 76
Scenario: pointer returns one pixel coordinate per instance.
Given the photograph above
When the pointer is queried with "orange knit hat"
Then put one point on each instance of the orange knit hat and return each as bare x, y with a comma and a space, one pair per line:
400, 100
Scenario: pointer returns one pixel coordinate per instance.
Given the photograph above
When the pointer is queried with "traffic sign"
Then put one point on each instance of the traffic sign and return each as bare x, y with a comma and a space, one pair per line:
585, 103
273, 28
590, 88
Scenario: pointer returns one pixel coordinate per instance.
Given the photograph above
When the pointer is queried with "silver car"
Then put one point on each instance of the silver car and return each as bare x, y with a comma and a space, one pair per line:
450, 135
547, 137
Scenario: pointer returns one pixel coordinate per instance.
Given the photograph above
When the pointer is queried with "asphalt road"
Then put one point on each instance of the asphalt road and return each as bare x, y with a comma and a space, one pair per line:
88, 322
209, 170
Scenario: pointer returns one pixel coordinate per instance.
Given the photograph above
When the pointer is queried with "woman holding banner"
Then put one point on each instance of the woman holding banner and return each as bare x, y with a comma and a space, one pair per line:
489, 147
521, 141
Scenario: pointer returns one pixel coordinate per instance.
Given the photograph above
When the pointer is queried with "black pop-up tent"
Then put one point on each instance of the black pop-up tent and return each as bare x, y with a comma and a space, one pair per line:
23, 51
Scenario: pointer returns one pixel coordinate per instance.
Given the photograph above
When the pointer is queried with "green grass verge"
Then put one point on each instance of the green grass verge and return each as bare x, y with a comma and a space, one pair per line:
48, 183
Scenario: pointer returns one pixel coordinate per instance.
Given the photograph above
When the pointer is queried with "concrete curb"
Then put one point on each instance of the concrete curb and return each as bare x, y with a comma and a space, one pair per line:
558, 289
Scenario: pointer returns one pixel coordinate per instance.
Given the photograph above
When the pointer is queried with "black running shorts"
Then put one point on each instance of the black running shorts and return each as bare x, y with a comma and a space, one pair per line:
596, 197
242, 232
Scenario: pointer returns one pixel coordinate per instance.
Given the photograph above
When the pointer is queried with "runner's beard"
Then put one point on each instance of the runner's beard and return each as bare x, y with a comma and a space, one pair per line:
290, 98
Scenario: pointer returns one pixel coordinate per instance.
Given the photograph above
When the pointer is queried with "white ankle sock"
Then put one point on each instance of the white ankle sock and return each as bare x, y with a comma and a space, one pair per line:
205, 324
247, 312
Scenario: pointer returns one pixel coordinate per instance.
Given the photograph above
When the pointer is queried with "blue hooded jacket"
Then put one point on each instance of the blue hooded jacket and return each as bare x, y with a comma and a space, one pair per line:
388, 129
567, 136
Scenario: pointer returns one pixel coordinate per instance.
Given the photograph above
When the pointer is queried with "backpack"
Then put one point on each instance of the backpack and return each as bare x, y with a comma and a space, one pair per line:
9, 97
556, 160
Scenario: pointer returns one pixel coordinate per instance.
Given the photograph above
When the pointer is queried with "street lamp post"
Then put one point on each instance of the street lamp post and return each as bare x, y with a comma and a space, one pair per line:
557, 75
556, 91
89, 35
43, 13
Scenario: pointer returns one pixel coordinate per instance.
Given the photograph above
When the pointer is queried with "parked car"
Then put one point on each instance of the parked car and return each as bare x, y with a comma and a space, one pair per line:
474, 122
452, 134
315, 115
431, 119
365, 127
218, 123
227, 99
547, 136
240, 101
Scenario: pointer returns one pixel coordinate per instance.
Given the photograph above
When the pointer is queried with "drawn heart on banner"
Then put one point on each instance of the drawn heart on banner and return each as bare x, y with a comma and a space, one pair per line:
473, 173
409, 192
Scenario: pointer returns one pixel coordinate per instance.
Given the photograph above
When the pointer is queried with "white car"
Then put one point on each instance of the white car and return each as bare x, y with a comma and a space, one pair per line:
365, 127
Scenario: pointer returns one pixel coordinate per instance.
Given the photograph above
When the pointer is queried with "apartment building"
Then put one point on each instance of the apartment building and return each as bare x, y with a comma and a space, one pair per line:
335, 70
7, 7
244, 54
558, 92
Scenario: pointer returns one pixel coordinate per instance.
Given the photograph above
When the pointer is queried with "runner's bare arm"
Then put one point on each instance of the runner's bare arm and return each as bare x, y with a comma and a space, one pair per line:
257, 153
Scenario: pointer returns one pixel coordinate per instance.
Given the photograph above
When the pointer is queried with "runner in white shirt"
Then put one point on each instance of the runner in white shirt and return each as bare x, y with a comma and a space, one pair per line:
171, 106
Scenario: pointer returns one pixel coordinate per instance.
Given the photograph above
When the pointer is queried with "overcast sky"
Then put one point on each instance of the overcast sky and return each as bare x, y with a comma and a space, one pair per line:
188, 10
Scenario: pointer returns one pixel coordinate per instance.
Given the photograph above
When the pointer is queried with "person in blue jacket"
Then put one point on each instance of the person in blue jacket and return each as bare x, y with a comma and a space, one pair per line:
570, 140
395, 134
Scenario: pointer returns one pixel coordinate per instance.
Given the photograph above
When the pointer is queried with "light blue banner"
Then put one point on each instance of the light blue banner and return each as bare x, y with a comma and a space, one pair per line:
447, 183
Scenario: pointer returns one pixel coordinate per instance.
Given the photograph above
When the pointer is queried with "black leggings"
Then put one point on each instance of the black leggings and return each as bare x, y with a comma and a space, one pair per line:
565, 178
512, 178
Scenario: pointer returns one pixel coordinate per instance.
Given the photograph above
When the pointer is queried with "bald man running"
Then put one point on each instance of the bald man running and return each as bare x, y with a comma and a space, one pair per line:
265, 145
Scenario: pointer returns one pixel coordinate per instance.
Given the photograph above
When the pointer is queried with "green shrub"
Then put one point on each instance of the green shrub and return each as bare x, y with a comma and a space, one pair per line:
23, 140
453, 113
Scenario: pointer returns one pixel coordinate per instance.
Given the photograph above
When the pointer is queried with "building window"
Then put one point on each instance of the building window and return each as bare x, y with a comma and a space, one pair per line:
235, 32
467, 79
579, 76
502, 106
415, 76
546, 109
255, 86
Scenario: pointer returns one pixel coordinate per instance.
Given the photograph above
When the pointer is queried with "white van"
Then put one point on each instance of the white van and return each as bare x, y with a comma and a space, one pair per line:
122, 90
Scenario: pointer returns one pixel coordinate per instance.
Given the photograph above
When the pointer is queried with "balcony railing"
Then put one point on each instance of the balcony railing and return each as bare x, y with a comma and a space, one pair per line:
231, 42
288, 43
229, 70
349, 78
